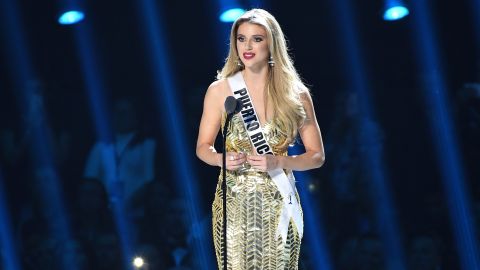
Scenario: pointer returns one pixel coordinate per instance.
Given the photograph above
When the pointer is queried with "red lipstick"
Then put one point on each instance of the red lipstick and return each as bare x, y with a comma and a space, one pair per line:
248, 56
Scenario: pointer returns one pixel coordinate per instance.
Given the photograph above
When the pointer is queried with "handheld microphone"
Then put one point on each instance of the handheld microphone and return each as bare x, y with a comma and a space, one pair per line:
233, 105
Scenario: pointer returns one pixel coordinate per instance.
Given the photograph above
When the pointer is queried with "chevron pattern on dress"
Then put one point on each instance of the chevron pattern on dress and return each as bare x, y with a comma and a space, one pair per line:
253, 209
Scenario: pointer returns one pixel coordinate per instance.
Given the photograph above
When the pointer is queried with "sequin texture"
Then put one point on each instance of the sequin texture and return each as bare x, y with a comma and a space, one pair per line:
253, 208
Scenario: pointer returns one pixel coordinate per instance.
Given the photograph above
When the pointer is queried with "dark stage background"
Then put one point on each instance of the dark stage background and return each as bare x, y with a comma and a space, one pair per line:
58, 82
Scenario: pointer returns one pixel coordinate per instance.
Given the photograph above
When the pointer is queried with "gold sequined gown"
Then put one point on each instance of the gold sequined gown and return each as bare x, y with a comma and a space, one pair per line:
253, 209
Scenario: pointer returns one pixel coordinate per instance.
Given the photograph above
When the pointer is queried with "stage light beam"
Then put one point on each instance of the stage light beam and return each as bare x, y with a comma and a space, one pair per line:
71, 17
435, 88
138, 262
395, 13
230, 15
395, 10
370, 135
166, 91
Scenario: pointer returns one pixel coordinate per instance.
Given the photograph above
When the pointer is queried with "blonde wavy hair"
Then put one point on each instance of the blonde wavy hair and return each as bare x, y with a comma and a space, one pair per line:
284, 86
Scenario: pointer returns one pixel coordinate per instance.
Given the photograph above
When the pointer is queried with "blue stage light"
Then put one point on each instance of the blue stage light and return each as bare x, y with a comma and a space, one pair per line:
231, 15
384, 217
71, 17
166, 95
436, 91
395, 13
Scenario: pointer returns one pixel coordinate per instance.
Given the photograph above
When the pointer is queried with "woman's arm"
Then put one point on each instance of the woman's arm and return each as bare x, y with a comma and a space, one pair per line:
314, 155
209, 127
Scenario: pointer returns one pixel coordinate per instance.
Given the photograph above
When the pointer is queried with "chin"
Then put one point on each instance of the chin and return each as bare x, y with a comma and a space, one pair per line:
255, 64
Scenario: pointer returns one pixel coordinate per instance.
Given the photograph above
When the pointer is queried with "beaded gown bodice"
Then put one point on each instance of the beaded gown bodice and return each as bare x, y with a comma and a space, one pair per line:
253, 208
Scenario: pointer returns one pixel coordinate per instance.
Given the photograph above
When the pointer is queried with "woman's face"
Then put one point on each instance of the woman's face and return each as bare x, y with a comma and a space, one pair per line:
252, 45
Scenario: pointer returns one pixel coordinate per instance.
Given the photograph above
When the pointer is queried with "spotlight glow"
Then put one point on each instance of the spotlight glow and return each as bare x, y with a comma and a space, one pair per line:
138, 262
71, 17
312, 187
395, 13
231, 15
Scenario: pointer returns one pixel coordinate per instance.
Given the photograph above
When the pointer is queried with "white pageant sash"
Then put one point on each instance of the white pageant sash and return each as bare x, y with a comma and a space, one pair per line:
286, 187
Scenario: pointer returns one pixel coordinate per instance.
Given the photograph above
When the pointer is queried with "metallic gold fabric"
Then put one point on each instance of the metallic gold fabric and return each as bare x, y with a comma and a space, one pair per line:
253, 209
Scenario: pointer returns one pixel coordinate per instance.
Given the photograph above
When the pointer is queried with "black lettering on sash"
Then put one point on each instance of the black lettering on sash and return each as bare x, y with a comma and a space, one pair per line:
256, 137
252, 126
247, 105
259, 143
264, 149
252, 118
245, 99
246, 113
241, 92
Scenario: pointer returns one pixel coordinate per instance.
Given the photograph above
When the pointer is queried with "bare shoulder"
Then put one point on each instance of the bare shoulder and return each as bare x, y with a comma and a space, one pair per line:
306, 97
216, 94
218, 90
219, 87
307, 102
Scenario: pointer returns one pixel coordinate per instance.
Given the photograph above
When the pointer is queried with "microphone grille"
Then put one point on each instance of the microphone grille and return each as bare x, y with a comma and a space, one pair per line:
232, 105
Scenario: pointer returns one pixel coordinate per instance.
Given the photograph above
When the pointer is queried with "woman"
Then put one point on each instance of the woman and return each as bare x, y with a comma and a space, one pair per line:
264, 220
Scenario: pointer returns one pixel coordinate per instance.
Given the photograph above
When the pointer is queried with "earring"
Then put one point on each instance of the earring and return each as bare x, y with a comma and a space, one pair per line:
239, 63
271, 62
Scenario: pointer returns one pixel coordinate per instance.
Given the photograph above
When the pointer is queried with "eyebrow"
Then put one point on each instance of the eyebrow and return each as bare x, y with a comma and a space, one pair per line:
259, 35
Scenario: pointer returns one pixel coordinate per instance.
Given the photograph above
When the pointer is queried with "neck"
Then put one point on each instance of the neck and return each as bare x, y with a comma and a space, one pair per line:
256, 76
